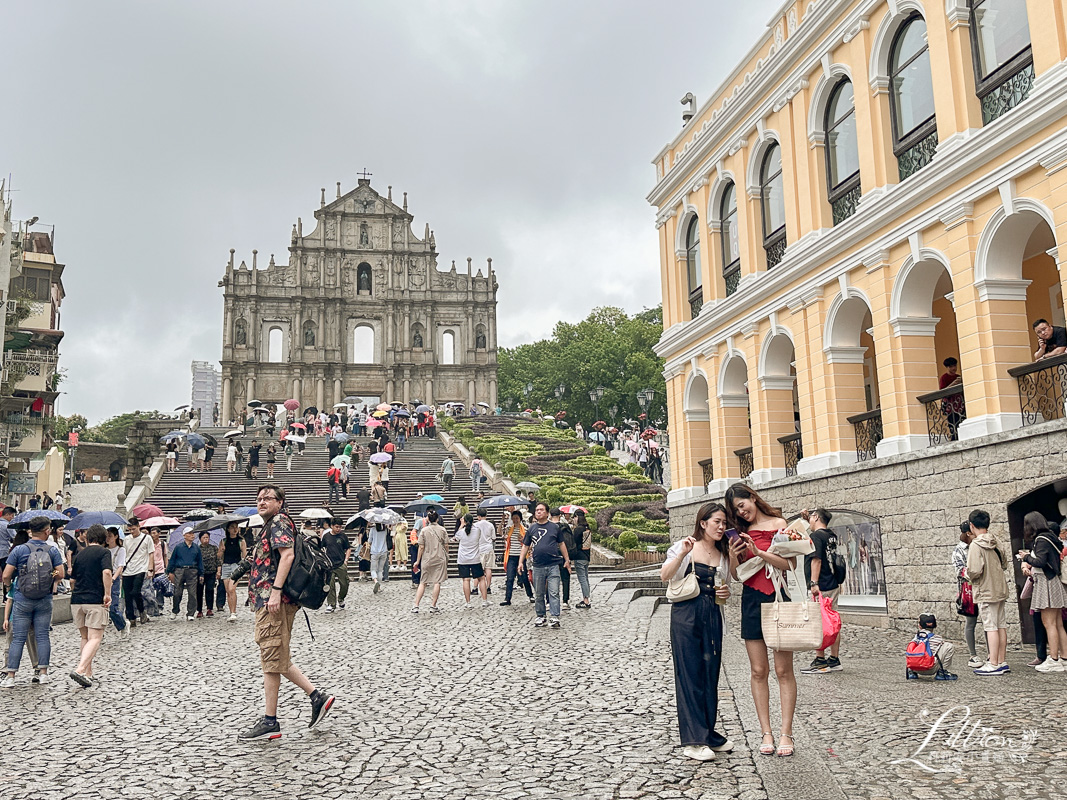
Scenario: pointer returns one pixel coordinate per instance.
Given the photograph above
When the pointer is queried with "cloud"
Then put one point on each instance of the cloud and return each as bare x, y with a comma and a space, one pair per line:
155, 137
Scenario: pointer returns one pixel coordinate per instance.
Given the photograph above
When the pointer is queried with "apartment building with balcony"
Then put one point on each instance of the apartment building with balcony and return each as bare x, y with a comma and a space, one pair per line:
879, 186
206, 390
30, 371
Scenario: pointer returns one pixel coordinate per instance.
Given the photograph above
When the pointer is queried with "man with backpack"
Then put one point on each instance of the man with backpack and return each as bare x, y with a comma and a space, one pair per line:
272, 559
38, 566
827, 573
567, 537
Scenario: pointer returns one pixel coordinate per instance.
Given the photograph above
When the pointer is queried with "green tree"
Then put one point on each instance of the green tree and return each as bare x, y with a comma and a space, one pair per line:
65, 425
609, 348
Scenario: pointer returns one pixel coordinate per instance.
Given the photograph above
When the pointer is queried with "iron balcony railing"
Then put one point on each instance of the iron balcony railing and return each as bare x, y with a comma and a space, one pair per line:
744, 460
707, 467
1042, 389
945, 410
868, 427
794, 451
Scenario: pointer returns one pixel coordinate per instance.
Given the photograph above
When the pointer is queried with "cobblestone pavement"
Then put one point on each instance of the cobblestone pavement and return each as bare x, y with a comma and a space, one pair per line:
471, 704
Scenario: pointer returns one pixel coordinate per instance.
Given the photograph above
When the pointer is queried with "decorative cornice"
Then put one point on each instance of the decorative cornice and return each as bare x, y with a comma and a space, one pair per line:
776, 383
1001, 289
844, 355
733, 400
862, 24
956, 215
914, 326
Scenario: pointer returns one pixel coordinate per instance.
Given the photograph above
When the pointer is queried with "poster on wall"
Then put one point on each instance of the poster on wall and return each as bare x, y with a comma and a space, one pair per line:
22, 483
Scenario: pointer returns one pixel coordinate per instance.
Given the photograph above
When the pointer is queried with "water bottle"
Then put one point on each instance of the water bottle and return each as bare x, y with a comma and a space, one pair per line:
720, 580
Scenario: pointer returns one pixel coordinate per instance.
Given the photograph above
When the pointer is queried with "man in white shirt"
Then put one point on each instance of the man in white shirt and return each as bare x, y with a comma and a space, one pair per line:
486, 547
140, 561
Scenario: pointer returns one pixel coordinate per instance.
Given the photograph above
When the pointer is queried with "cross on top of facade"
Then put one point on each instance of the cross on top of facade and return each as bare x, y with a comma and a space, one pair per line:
365, 175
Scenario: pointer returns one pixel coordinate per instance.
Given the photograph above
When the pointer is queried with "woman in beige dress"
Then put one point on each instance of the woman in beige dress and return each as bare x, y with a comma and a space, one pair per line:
432, 561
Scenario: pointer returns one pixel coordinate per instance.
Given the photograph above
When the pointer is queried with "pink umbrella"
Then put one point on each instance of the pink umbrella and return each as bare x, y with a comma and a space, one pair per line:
291, 405
160, 522
299, 425
146, 511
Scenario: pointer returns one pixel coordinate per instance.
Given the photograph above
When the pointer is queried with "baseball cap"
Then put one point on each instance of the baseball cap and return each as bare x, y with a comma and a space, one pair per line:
555, 512
927, 621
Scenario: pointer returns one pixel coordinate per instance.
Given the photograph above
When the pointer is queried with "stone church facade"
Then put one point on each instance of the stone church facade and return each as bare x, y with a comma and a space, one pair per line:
360, 310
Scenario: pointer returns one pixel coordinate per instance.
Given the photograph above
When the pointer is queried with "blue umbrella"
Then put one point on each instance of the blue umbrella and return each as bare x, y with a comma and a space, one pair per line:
88, 518
33, 513
435, 497
246, 511
196, 441
403, 413
341, 437
72, 512
501, 500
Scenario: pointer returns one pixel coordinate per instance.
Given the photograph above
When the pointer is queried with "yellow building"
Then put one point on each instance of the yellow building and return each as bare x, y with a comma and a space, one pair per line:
877, 187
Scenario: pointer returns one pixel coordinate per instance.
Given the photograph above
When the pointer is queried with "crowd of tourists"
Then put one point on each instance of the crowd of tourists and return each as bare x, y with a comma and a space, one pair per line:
744, 540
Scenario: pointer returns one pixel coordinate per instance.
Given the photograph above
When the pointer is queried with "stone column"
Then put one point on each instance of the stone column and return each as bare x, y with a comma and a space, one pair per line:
296, 392
250, 387
338, 391
471, 394
227, 399
428, 399
492, 393
320, 392
407, 390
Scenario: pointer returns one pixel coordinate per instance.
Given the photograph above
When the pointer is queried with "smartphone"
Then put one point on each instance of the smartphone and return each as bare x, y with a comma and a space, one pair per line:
732, 535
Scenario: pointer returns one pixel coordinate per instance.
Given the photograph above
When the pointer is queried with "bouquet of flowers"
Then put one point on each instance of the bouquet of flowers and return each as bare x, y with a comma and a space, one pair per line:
790, 542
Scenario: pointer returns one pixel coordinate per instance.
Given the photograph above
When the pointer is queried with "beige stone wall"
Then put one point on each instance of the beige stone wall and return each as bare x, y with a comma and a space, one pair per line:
919, 500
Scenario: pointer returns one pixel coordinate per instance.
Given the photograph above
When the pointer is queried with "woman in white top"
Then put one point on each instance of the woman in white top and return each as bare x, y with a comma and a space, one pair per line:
696, 631
470, 559
231, 457
118, 564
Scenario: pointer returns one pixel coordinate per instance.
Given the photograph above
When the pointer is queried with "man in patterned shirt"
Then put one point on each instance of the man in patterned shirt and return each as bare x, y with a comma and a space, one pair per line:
272, 557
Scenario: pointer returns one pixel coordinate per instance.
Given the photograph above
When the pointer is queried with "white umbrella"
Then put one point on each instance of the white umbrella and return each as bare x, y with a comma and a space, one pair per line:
316, 513
254, 521
340, 405
380, 516
528, 486
231, 434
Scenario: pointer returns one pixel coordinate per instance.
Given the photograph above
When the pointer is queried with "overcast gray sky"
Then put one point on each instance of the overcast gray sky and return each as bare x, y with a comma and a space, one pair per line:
156, 136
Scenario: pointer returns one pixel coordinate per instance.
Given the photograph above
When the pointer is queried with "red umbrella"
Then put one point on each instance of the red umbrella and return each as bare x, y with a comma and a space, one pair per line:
649, 433
571, 509
599, 425
147, 511
291, 405
642, 416
613, 429
561, 414
528, 411
300, 425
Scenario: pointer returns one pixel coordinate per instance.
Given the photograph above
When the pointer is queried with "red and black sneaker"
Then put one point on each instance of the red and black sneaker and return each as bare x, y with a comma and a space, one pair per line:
321, 704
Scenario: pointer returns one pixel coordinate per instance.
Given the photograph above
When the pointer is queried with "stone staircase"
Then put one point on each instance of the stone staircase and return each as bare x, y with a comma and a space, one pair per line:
413, 471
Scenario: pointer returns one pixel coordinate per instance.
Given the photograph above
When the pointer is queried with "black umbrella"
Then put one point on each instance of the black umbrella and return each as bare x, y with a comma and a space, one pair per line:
310, 410
253, 403
424, 505
218, 521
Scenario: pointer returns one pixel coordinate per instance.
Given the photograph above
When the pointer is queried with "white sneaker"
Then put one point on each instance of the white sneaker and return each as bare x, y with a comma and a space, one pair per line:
327, 609
566, 606
974, 662
124, 634
699, 753
468, 606
1049, 665
190, 618
8, 682
725, 747
485, 604
233, 618
414, 609
43, 678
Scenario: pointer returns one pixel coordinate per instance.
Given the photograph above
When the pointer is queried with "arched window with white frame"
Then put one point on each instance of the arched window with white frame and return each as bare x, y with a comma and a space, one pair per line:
911, 97
692, 267
275, 345
1003, 59
772, 205
731, 247
448, 347
842, 152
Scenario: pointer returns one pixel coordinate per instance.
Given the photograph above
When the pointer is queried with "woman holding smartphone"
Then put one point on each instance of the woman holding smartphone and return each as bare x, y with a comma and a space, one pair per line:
756, 522
696, 632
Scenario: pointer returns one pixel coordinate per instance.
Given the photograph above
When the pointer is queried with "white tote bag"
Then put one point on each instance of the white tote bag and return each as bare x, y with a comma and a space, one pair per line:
794, 625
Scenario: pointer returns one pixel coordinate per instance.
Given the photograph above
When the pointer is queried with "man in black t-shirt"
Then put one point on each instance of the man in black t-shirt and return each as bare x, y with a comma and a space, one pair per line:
90, 599
823, 583
339, 549
544, 542
1051, 340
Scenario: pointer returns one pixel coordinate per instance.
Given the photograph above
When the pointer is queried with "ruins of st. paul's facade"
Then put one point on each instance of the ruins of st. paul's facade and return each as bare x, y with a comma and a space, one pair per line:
360, 310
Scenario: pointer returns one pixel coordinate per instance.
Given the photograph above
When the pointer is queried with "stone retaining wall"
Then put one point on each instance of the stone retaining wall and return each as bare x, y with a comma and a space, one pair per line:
919, 499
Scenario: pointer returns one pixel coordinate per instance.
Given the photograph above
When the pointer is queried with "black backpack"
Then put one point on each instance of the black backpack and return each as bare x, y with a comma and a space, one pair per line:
308, 581
567, 535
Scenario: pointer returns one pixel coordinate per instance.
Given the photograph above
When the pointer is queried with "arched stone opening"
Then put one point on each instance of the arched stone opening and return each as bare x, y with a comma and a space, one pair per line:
735, 424
363, 345
853, 403
779, 448
698, 430
364, 278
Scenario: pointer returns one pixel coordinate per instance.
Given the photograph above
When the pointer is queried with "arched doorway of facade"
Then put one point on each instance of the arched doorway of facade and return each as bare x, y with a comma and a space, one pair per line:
1016, 261
736, 426
780, 402
924, 318
855, 407
1051, 501
698, 430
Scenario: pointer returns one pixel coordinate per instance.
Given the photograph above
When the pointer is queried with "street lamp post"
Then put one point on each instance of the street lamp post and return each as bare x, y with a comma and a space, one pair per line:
644, 398
596, 395
526, 391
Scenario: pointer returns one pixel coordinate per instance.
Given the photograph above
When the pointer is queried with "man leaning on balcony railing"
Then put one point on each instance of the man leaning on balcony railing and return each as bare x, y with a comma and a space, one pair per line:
1052, 340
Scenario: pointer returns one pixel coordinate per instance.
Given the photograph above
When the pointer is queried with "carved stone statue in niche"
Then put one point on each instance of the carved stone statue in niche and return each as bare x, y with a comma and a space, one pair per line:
479, 340
379, 273
309, 334
416, 339
240, 333
398, 232
364, 281
364, 235
416, 279
331, 270
311, 274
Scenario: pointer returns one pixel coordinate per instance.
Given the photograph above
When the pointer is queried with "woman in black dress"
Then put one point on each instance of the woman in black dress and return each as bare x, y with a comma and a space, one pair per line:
696, 631
253, 459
